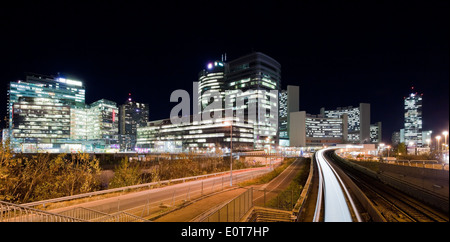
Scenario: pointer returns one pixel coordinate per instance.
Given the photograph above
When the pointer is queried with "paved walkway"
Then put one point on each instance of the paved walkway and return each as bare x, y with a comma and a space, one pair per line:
191, 211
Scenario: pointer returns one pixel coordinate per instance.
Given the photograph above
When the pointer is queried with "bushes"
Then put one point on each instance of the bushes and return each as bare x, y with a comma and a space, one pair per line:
41, 177
126, 174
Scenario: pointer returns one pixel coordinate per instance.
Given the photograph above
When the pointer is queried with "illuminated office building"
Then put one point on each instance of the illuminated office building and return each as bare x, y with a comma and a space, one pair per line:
289, 102
196, 136
317, 130
39, 121
103, 124
56, 95
211, 79
375, 133
251, 78
358, 121
131, 116
413, 120
79, 123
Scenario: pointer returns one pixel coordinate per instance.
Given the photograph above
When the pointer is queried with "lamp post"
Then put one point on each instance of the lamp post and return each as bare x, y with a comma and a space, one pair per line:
438, 138
445, 133
428, 143
270, 158
230, 123
381, 147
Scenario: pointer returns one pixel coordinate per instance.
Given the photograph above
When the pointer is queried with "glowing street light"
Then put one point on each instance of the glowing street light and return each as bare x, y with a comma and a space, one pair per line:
438, 138
445, 133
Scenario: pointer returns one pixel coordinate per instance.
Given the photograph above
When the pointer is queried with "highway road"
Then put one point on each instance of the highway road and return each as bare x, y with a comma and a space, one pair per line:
143, 203
333, 199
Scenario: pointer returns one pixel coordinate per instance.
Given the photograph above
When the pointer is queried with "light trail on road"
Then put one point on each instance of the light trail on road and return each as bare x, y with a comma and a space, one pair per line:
335, 195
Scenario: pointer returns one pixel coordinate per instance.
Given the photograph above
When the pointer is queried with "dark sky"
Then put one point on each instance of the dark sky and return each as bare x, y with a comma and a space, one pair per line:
340, 53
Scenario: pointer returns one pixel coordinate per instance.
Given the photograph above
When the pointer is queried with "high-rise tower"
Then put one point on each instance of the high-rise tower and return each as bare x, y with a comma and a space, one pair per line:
413, 120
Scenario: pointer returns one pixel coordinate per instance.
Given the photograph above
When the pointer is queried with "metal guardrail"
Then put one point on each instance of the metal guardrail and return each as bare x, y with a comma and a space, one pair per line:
232, 211
120, 189
10, 212
300, 204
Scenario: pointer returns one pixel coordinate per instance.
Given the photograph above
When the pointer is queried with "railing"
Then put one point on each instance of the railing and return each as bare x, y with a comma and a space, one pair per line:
299, 206
120, 189
232, 211
10, 212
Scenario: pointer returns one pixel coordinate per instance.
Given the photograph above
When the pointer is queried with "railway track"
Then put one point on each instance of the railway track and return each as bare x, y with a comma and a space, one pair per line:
393, 204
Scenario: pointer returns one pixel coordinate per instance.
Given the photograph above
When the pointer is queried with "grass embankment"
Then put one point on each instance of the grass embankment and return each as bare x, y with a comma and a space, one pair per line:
269, 176
287, 198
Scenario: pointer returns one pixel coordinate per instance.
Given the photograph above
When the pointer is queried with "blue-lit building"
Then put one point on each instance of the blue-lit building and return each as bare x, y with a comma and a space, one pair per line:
49, 114
39, 111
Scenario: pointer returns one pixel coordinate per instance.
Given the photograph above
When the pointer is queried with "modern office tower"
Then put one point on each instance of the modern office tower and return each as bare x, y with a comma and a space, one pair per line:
289, 101
375, 133
413, 120
67, 91
195, 136
395, 138
251, 78
402, 135
358, 121
131, 116
103, 124
211, 79
40, 122
79, 123
60, 90
317, 130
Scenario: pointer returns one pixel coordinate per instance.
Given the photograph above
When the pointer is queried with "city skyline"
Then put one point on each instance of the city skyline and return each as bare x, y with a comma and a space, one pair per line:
154, 58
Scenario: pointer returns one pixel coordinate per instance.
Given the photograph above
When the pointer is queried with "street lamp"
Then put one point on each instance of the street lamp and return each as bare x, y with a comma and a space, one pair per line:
438, 138
270, 158
230, 123
445, 133
380, 148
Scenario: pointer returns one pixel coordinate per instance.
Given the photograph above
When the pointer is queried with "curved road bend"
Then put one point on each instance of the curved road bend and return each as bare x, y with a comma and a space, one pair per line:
334, 195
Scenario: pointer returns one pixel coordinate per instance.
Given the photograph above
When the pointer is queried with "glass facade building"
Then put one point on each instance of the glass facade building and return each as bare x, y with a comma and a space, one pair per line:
131, 116
48, 113
39, 110
103, 122
252, 78
40, 120
289, 101
211, 79
204, 136
413, 120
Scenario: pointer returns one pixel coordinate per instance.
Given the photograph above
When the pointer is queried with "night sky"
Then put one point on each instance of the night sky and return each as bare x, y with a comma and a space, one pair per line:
339, 53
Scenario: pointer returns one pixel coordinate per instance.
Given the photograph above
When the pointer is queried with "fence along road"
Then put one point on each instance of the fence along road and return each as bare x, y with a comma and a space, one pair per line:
144, 203
333, 195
